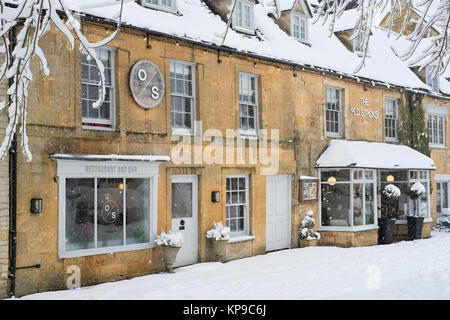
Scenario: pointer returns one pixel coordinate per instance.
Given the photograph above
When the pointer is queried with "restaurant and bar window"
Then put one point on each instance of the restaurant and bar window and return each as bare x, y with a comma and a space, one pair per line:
348, 197
105, 206
350, 192
403, 179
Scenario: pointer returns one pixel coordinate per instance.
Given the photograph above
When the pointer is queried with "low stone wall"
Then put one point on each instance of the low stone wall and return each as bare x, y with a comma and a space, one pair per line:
237, 250
349, 239
401, 231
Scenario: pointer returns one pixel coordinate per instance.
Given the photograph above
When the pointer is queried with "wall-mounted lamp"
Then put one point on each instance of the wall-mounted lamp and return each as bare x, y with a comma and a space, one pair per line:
390, 178
36, 205
332, 181
215, 196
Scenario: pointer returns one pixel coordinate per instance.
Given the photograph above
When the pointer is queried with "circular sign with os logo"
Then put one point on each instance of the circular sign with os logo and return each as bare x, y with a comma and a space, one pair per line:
146, 84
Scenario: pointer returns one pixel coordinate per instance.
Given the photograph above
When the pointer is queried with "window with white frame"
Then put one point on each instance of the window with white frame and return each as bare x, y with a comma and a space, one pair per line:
358, 43
248, 104
333, 110
103, 116
237, 207
442, 196
404, 179
421, 205
243, 17
436, 129
299, 26
348, 197
432, 81
166, 5
106, 206
182, 96
391, 119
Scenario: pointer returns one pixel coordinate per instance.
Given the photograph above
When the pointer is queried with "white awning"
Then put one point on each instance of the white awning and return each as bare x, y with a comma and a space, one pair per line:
363, 154
110, 157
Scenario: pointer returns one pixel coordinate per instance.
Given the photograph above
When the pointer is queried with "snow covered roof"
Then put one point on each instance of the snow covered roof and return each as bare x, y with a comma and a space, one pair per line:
110, 157
196, 23
362, 154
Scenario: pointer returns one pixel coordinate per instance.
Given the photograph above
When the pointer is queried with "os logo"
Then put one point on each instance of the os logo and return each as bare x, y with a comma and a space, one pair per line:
146, 84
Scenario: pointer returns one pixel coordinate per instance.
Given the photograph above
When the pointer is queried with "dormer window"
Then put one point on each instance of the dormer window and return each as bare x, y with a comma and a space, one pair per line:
433, 82
299, 27
243, 18
165, 5
358, 43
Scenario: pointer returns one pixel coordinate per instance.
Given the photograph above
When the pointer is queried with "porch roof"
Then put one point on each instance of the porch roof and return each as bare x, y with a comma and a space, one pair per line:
376, 155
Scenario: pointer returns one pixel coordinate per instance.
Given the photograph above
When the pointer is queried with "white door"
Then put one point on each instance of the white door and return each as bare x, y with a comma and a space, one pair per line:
278, 212
185, 216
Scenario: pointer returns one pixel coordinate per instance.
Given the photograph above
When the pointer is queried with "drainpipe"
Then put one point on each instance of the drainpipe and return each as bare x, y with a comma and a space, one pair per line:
13, 215
412, 107
12, 197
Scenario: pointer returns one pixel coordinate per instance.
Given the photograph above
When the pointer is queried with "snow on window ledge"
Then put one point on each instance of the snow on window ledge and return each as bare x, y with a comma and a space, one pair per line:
404, 221
240, 238
244, 30
389, 139
348, 229
437, 146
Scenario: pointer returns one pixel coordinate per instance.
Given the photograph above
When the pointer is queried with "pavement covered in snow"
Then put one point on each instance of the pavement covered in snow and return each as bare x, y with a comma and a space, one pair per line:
406, 270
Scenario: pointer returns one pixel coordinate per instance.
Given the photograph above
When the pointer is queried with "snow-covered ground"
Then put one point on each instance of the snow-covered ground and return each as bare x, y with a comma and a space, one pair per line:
406, 270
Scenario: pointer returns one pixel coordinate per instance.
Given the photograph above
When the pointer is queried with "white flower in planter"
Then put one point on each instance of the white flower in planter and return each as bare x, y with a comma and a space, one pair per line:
306, 229
391, 192
172, 239
416, 190
219, 232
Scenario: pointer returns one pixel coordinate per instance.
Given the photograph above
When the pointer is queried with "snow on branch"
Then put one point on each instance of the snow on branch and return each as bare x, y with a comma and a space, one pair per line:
21, 30
433, 20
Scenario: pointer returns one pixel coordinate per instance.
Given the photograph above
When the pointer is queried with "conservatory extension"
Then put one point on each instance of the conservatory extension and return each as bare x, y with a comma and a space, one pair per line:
352, 175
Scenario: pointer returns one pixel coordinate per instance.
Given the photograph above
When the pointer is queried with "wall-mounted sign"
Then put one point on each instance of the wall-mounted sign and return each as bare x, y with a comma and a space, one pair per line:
308, 190
146, 84
361, 112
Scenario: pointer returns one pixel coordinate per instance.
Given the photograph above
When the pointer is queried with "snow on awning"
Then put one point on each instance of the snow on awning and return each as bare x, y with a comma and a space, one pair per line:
110, 157
362, 154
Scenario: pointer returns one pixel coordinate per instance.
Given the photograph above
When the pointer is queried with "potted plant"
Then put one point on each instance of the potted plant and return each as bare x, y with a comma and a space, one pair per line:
389, 196
308, 237
415, 220
220, 236
171, 243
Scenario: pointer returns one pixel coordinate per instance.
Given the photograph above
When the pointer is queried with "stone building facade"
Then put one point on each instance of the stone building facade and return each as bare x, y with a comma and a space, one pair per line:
148, 161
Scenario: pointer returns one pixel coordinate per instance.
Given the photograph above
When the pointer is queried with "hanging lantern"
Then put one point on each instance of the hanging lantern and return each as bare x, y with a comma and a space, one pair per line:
332, 181
390, 178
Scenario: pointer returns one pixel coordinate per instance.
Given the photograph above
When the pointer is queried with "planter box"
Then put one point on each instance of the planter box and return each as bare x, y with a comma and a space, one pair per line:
219, 247
386, 230
415, 227
170, 255
308, 243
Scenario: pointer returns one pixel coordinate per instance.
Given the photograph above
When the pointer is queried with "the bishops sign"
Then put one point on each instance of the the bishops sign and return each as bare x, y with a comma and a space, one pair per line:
146, 84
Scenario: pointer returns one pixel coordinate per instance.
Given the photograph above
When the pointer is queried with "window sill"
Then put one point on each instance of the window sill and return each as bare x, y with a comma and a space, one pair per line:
305, 42
241, 239
244, 30
182, 133
92, 252
161, 8
248, 136
437, 146
334, 135
391, 140
348, 229
402, 221
99, 128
